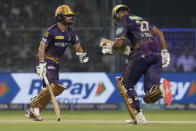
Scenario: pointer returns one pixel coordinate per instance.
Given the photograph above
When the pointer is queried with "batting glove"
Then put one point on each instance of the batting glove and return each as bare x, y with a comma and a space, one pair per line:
82, 57
165, 58
107, 49
41, 70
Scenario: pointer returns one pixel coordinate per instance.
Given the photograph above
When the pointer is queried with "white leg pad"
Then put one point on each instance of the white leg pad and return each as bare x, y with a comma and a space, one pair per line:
35, 111
140, 118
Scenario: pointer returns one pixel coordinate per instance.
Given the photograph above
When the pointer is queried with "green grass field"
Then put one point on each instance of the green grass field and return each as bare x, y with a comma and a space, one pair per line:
99, 121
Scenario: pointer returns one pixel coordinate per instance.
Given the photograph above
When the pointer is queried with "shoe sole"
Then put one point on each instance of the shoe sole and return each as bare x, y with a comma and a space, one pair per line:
168, 96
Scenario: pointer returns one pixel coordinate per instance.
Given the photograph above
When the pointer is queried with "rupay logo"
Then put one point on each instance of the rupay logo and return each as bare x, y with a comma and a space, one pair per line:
77, 90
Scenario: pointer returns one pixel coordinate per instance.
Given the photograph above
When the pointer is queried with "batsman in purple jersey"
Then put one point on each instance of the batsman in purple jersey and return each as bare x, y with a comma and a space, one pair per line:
55, 42
51, 49
144, 58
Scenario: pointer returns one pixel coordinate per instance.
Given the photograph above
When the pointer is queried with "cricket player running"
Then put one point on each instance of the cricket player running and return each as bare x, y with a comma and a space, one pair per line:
145, 58
51, 49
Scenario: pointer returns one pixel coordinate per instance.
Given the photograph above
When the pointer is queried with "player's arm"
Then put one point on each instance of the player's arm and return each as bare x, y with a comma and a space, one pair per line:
121, 32
160, 36
109, 47
80, 52
119, 46
164, 53
78, 48
41, 68
43, 44
41, 52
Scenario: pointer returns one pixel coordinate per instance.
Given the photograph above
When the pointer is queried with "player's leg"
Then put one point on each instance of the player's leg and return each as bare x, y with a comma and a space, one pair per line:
153, 88
38, 104
134, 70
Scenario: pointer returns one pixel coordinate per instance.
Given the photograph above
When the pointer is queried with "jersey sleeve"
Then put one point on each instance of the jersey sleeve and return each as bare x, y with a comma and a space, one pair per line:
75, 39
47, 37
121, 30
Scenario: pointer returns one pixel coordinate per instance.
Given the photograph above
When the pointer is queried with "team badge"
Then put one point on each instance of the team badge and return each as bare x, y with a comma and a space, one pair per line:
43, 40
46, 34
60, 10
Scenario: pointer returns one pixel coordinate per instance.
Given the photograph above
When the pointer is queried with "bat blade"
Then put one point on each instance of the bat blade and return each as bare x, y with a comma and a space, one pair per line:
53, 98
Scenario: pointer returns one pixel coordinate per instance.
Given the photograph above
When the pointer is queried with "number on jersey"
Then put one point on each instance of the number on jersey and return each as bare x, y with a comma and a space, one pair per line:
144, 25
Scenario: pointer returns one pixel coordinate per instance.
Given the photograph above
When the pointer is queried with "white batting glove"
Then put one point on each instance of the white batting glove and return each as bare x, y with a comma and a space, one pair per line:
107, 49
41, 70
82, 57
165, 58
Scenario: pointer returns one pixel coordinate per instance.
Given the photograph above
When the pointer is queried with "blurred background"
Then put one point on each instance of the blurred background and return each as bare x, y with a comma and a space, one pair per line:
23, 22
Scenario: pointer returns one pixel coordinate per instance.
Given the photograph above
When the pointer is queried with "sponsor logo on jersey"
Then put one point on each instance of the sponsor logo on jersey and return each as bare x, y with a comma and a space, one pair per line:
59, 37
51, 67
61, 44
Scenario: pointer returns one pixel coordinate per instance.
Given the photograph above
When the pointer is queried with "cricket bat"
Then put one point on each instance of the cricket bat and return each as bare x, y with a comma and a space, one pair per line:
54, 101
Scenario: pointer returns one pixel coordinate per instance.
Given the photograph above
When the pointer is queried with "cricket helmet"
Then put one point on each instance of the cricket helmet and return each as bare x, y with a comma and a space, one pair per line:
61, 12
115, 11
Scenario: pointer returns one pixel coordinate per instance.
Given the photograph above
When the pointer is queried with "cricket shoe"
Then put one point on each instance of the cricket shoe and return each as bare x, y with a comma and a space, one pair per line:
167, 95
141, 120
33, 113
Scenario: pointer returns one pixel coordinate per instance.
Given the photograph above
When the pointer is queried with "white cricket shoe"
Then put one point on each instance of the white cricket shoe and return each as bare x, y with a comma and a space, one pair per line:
33, 113
141, 120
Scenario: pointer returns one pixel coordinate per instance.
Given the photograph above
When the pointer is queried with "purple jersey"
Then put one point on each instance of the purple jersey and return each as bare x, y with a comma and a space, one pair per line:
57, 41
135, 28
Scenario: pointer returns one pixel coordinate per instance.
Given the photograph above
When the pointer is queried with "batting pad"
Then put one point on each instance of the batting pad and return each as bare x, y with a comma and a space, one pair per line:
153, 96
44, 97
